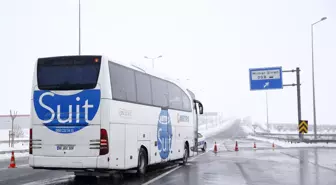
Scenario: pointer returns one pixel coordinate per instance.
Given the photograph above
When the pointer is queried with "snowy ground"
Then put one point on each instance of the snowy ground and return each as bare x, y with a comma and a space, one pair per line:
17, 146
17, 155
215, 128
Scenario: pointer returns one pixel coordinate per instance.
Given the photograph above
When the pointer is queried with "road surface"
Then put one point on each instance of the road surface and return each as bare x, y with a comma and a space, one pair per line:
247, 166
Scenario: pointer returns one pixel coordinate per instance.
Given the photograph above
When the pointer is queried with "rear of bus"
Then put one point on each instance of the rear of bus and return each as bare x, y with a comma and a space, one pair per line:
66, 118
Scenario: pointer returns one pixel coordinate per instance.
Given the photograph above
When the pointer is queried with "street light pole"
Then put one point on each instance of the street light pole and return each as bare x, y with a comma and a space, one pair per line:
79, 28
267, 112
153, 59
313, 74
13, 116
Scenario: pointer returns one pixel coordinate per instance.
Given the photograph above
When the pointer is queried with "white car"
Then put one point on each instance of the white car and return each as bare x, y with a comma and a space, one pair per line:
201, 142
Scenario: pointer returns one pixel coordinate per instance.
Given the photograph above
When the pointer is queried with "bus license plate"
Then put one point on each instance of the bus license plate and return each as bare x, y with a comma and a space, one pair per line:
65, 147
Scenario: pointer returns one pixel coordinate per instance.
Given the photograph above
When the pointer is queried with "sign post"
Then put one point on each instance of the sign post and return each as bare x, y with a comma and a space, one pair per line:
266, 79
271, 78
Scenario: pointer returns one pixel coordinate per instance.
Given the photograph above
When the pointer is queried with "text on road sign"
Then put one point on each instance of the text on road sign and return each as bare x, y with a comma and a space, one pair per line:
266, 74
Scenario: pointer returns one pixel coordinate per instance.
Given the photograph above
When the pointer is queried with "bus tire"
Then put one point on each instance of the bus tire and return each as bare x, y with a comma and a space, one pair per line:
185, 155
204, 147
142, 162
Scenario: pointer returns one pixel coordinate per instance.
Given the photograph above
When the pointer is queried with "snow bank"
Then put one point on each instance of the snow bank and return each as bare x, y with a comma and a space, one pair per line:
292, 145
17, 146
216, 129
247, 129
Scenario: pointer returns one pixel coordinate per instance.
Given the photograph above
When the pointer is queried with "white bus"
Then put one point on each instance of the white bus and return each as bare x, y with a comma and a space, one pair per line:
90, 114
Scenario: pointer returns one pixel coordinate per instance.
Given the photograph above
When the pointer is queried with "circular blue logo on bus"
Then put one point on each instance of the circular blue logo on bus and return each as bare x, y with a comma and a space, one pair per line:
164, 134
66, 113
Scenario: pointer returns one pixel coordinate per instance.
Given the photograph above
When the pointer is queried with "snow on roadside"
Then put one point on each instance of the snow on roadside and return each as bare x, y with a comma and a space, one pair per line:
17, 146
219, 128
247, 129
291, 145
9, 155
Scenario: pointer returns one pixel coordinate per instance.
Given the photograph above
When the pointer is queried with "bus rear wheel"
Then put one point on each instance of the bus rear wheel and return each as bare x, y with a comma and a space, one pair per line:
142, 162
185, 155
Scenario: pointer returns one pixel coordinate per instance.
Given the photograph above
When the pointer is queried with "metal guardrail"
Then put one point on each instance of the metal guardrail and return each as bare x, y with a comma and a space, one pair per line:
296, 140
16, 141
276, 134
15, 151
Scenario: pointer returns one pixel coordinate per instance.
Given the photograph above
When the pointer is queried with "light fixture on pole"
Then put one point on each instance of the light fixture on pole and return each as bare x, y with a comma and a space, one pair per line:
313, 75
153, 59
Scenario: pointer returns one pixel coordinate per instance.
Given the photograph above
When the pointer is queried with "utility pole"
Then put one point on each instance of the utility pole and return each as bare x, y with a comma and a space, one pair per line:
79, 28
268, 129
13, 116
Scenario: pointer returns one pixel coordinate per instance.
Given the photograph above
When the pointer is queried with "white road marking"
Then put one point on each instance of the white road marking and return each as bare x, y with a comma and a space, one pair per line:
17, 166
51, 181
168, 172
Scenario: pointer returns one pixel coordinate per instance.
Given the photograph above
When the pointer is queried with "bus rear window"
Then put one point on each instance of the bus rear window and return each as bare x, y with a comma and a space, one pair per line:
68, 73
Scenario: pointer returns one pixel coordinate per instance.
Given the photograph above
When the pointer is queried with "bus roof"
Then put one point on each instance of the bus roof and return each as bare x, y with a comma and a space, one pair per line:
152, 72
139, 68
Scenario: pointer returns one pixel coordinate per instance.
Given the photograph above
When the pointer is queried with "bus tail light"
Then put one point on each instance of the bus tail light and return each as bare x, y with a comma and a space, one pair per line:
104, 145
30, 141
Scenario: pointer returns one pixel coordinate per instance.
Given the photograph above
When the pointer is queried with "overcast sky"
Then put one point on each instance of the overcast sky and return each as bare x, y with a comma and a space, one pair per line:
212, 43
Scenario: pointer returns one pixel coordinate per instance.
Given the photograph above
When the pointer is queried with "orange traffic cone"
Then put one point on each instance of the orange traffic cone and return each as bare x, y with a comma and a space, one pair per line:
12, 161
215, 147
236, 148
254, 146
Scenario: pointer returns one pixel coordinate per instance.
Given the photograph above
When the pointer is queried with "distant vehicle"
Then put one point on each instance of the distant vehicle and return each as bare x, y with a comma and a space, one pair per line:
91, 115
202, 144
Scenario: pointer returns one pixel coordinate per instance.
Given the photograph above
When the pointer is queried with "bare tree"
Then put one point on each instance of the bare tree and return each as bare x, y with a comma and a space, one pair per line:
18, 132
13, 115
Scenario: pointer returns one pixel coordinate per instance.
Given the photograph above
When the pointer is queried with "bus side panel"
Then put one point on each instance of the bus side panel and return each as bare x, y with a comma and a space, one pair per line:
117, 146
179, 142
131, 155
154, 153
144, 137
175, 153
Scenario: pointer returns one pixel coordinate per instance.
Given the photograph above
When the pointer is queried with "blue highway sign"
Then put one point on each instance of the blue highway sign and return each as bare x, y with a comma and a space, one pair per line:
266, 78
